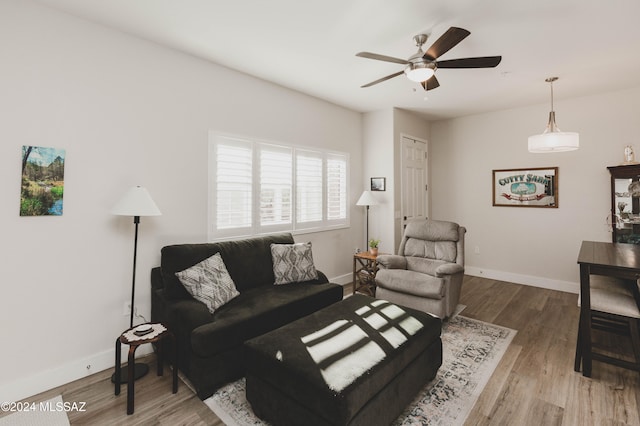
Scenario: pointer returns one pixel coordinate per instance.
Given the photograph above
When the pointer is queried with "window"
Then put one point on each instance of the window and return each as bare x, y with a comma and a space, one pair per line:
258, 187
309, 178
234, 186
275, 185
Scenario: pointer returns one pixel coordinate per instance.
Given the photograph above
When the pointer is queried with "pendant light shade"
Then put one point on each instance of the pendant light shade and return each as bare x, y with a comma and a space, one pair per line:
553, 139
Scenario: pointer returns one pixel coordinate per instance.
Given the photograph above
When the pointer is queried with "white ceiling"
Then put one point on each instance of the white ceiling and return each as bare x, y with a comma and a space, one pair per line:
592, 45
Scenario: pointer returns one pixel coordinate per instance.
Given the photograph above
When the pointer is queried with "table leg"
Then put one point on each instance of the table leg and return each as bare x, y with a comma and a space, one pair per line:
578, 360
354, 275
118, 367
160, 358
585, 320
175, 362
131, 366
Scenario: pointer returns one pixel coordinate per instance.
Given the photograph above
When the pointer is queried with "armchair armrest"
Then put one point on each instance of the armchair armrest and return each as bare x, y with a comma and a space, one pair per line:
392, 261
449, 269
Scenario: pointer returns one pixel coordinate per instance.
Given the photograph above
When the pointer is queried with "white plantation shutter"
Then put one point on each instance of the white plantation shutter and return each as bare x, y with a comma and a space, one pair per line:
308, 187
336, 187
258, 187
233, 180
276, 183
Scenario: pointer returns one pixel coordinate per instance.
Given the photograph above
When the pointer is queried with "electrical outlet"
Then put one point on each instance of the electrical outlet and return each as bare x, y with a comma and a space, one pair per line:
126, 308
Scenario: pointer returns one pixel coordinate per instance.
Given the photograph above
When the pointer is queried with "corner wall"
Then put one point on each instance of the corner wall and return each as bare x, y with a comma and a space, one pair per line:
382, 150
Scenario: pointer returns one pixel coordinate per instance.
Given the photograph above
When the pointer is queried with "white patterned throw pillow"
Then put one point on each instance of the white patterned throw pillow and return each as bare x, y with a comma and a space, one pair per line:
209, 282
293, 263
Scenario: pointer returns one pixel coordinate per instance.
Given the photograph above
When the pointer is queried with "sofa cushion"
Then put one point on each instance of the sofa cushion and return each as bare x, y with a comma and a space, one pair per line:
209, 282
411, 282
248, 262
292, 263
259, 310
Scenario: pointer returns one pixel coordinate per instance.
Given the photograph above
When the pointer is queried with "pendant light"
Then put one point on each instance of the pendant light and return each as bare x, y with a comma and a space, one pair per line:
553, 139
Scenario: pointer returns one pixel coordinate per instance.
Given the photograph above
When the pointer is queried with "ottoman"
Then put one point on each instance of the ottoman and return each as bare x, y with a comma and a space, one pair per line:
360, 361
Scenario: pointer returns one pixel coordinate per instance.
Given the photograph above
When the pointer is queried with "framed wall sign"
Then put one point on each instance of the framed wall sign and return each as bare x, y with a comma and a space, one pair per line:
537, 187
378, 184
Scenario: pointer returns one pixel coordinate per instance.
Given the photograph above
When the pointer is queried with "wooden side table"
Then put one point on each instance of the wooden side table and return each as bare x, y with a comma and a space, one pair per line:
365, 267
129, 337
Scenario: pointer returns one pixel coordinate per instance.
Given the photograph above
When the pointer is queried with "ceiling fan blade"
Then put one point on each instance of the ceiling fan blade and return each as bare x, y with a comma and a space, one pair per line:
370, 55
481, 62
380, 80
449, 39
430, 84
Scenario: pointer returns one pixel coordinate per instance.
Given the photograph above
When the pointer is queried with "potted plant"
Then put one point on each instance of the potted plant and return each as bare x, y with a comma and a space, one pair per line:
373, 246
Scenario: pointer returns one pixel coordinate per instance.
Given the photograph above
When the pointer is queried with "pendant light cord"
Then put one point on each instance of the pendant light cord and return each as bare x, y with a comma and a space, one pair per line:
550, 80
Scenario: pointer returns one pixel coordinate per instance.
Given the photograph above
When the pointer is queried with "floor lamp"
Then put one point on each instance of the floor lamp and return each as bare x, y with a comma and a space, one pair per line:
367, 199
136, 202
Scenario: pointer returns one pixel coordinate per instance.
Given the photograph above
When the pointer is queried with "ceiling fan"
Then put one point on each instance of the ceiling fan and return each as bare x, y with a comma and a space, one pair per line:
421, 66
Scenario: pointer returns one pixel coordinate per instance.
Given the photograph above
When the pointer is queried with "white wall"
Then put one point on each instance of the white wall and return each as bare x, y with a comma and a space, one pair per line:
127, 112
376, 155
532, 245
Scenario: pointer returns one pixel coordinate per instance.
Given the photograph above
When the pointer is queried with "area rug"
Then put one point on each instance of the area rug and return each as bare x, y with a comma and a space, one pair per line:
46, 413
471, 351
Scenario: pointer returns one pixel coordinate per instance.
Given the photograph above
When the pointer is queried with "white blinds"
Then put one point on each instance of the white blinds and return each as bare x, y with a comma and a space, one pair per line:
258, 187
308, 187
275, 185
234, 184
336, 187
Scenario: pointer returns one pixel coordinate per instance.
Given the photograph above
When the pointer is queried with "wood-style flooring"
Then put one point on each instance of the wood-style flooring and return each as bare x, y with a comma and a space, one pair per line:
534, 384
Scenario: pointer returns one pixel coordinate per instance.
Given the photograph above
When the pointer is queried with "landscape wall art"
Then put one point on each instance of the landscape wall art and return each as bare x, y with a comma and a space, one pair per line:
42, 188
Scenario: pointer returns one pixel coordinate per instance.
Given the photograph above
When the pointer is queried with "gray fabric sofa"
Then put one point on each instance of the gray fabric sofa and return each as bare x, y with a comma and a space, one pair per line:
210, 346
427, 272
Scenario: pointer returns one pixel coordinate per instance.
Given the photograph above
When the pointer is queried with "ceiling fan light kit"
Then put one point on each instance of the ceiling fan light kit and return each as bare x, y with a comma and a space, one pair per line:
421, 66
419, 72
553, 139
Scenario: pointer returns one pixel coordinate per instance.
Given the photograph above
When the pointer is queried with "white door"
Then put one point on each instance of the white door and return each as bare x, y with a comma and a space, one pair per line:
414, 179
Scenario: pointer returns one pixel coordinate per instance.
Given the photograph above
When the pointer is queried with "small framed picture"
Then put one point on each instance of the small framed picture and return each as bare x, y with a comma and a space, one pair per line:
378, 184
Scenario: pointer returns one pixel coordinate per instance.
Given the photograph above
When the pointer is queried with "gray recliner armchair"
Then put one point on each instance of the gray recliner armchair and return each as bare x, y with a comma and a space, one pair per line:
427, 272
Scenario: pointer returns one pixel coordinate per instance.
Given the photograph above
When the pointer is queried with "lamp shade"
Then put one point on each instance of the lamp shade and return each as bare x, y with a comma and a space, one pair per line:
554, 142
553, 139
136, 202
367, 199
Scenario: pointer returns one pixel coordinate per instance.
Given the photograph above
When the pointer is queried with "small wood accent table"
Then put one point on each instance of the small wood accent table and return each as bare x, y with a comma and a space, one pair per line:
133, 345
598, 258
365, 267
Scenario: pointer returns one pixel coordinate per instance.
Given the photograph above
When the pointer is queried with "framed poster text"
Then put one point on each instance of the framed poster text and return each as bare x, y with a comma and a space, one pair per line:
536, 187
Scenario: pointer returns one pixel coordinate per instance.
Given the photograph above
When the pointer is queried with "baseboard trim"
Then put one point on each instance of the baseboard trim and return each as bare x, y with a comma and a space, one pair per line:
566, 286
342, 279
43, 381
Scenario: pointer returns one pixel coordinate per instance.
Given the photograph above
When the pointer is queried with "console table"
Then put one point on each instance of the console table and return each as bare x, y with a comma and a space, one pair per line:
599, 258
365, 267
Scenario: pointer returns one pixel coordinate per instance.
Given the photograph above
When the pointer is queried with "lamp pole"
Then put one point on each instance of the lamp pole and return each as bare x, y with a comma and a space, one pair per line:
136, 221
366, 242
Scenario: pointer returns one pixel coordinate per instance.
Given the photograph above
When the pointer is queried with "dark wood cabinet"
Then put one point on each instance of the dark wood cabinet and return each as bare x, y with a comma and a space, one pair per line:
625, 203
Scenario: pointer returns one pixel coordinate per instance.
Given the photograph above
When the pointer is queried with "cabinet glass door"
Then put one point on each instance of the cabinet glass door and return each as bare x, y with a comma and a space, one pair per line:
626, 218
